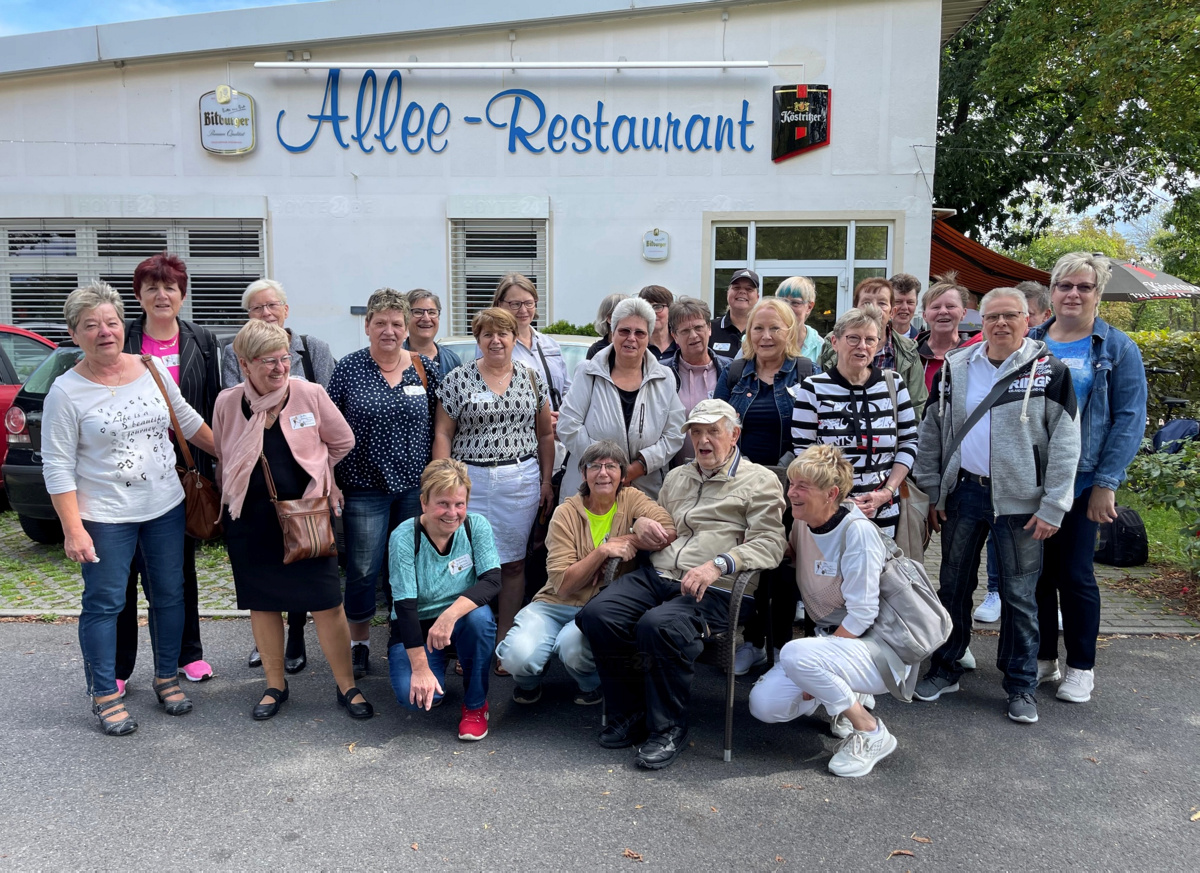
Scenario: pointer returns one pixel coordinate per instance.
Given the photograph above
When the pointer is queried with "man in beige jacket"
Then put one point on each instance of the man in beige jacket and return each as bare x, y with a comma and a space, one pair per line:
647, 628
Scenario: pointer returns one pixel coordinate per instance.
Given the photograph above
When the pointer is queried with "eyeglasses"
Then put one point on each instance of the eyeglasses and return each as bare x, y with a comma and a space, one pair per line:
272, 363
691, 329
1081, 287
272, 307
851, 339
517, 306
658, 307
432, 313
608, 467
1009, 317
630, 331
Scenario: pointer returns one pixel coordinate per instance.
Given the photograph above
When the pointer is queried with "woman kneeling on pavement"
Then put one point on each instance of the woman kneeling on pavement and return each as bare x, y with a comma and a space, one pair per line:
444, 569
602, 521
110, 472
289, 428
839, 557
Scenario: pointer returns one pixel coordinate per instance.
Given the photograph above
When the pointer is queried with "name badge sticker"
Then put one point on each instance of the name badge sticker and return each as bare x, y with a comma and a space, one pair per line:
483, 397
720, 347
414, 389
304, 419
170, 360
461, 564
825, 568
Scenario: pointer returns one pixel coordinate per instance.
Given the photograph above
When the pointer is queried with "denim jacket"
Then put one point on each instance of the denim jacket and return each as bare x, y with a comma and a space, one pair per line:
741, 395
1113, 423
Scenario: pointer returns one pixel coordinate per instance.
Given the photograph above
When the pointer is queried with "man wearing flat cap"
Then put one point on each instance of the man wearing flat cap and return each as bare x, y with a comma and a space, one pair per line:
647, 628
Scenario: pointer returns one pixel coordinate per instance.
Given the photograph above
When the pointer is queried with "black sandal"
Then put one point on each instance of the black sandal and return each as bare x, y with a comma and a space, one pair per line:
108, 711
169, 689
264, 711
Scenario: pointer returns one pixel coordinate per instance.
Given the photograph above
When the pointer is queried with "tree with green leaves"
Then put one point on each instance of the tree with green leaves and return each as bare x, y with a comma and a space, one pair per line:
1090, 104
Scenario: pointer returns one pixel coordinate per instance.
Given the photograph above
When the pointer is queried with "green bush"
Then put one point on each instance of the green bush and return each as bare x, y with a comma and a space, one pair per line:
1174, 350
1173, 482
565, 328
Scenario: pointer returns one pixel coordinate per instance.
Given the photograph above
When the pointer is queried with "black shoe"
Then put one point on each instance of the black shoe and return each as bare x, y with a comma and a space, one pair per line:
295, 657
589, 698
356, 710
264, 711
527, 695
624, 731
662, 748
255, 659
361, 656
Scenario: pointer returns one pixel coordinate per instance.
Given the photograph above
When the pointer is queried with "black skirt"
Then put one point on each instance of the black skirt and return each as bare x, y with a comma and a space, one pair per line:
254, 541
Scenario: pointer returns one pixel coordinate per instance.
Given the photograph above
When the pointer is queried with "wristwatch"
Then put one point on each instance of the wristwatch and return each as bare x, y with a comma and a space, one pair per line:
722, 564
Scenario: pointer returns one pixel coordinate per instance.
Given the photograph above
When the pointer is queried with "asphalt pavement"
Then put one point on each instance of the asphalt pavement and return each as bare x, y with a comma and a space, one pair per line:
1113, 784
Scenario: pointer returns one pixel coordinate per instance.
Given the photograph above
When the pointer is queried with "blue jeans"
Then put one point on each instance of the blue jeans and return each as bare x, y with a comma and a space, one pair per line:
368, 518
969, 519
543, 629
474, 638
161, 543
1069, 580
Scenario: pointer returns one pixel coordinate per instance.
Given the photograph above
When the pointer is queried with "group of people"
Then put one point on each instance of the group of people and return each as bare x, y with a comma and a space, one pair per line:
696, 449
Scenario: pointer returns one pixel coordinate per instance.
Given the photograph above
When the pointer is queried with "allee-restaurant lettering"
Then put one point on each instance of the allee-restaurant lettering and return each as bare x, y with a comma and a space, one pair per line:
519, 111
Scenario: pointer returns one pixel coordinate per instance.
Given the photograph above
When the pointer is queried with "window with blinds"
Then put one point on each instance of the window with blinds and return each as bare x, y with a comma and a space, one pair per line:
42, 261
482, 251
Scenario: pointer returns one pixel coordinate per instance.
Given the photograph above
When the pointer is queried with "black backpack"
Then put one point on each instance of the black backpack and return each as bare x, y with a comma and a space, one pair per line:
1123, 543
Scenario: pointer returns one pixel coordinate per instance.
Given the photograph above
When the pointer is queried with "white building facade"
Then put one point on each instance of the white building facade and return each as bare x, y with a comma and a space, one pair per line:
589, 180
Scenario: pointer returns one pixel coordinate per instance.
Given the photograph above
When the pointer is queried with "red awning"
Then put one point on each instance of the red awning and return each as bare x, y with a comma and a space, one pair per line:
977, 266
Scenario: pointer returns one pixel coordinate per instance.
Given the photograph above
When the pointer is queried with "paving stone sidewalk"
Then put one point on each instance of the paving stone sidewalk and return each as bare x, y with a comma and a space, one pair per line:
37, 579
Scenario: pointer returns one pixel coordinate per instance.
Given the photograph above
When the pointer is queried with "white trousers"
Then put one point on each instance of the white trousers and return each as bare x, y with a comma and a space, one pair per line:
831, 669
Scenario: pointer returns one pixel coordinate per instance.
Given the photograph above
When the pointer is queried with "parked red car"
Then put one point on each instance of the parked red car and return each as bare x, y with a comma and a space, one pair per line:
21, 352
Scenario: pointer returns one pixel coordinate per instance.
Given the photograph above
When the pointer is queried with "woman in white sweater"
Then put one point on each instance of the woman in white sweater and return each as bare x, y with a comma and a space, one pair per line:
839, 557
624, 395
110, 470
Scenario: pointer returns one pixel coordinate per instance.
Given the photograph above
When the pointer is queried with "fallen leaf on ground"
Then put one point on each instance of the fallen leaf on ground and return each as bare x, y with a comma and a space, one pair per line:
639, 806
350, 747
414, 847
632, 855
603, 793
1093, 760
779, 859
713, 808
904, 852
792, 786
917, 839
1196, 816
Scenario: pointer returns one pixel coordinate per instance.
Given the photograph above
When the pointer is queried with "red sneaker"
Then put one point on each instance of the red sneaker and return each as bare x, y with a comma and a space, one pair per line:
474, 724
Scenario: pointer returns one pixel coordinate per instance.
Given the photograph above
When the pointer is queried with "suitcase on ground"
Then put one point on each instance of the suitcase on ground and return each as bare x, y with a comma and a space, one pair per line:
1123, 543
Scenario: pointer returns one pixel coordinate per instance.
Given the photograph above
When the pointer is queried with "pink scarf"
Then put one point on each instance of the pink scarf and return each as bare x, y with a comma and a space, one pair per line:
244, 454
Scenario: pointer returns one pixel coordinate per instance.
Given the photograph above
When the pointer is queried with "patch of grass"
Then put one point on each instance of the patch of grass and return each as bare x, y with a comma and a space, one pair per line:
1164, 529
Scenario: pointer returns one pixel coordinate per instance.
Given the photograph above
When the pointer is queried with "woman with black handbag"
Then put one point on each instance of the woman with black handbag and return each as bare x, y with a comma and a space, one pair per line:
277, 440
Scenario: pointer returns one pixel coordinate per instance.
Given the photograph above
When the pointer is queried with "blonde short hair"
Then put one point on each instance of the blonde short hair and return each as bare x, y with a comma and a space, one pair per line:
442, 475
824, 467
495, 318
1076, 262
797, 288
258, 337
262, 285
87, 298
784, 310
387, 300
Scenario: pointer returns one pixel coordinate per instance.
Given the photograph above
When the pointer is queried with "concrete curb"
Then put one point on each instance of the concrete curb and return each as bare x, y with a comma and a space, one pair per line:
74, 613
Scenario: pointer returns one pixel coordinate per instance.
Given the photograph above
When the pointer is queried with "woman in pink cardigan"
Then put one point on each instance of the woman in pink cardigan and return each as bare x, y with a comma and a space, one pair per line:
293, 427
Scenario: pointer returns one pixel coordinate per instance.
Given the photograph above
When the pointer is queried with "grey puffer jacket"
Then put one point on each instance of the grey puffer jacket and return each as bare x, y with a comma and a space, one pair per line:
591, 411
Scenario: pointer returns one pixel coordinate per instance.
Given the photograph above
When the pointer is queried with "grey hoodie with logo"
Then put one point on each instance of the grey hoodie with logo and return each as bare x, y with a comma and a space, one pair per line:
1034, 434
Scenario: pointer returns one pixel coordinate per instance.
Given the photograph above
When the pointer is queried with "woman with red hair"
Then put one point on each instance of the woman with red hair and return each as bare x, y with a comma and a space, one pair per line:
192, 357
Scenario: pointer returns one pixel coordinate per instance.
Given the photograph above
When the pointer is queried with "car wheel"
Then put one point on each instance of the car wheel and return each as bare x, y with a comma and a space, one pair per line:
46, 531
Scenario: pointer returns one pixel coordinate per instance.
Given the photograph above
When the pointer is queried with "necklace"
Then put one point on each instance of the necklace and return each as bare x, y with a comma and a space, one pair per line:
112, 389
395, 367
500, 378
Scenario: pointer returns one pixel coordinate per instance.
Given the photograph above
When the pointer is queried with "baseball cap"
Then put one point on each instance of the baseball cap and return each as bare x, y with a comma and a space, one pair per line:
745, 274
711, 411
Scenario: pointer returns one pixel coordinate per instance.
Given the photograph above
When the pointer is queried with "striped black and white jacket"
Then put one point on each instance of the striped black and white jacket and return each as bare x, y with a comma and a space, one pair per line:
859, 420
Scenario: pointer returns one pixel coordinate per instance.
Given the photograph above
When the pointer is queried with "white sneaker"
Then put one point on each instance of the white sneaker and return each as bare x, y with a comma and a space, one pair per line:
748, 655
840, 725
988, 611
1048, 671
1077, 686
858, 754
967, 661
800, 610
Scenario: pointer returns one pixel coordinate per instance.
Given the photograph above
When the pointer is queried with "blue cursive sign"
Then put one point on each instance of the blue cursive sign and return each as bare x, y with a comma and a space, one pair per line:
381, 116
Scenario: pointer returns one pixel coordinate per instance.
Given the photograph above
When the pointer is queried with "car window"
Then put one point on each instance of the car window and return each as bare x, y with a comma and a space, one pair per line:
573, 352
58, 362
25, 353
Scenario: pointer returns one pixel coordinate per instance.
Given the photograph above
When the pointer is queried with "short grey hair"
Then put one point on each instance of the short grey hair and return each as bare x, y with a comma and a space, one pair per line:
416, 295
685, 309
262, 285
604, 313
634, 307
258, 337
1076, 262
797, 288
1036, 294
88, 297
387, 300
598, 451
859, 317
1008, 293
